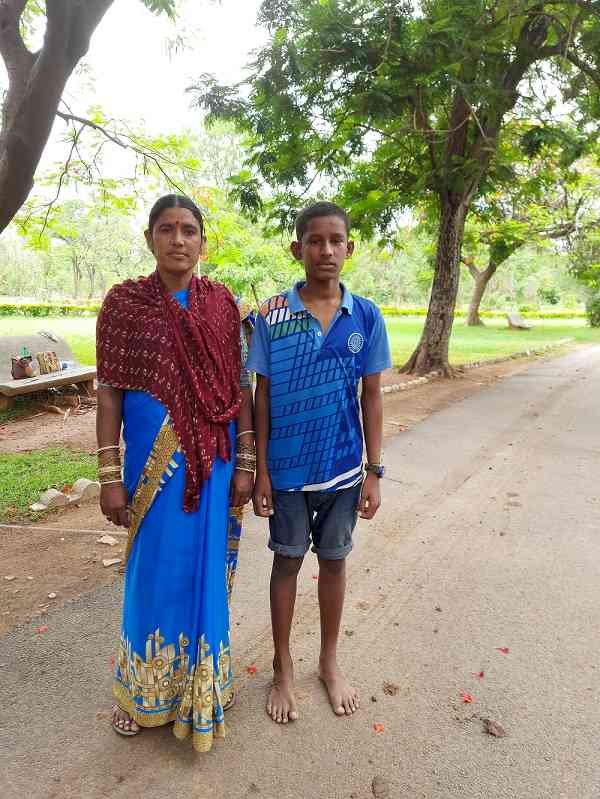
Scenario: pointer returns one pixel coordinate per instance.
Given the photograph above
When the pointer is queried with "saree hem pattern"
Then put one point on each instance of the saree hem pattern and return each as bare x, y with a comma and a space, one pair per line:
164, 688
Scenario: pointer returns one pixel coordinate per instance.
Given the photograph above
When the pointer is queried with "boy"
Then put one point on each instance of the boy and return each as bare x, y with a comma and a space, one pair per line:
311, 346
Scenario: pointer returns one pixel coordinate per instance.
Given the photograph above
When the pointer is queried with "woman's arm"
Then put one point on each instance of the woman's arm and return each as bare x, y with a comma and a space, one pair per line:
109, 418
243, 482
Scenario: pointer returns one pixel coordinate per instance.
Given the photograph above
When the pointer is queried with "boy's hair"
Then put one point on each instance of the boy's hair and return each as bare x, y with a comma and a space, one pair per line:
319, 209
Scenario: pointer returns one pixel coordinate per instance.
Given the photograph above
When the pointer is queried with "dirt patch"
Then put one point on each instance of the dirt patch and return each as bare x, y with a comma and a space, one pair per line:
40, 430
68, 560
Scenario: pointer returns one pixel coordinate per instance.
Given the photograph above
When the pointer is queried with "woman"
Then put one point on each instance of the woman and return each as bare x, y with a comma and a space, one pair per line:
169, 373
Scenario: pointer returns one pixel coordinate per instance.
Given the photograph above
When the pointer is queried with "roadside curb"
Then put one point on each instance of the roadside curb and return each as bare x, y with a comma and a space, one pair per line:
419, 381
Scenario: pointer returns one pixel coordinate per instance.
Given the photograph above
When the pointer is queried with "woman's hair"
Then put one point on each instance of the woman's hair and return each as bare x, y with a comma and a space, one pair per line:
175, 201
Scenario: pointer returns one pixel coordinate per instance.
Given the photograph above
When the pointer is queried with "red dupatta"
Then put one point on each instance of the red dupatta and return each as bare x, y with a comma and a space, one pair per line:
188, 359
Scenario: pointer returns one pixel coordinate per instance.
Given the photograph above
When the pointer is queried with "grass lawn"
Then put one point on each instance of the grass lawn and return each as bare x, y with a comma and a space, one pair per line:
467, 343
492, 341
24, 476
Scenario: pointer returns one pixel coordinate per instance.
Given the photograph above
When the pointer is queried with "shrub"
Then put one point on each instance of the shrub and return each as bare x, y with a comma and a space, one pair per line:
47, 309
593, 310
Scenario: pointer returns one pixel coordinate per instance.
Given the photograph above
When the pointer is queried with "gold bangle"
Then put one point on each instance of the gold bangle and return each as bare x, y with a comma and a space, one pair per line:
244, 432
243, 469
109, 482
110, 446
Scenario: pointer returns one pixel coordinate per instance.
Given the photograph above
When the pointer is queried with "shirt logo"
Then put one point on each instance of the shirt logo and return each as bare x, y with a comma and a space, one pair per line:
355, 343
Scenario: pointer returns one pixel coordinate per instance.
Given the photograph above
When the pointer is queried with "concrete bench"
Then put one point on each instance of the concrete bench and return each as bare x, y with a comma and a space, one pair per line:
516, 322
41, 342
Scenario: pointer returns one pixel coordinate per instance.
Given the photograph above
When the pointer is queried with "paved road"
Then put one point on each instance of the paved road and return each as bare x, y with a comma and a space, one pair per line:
489, 538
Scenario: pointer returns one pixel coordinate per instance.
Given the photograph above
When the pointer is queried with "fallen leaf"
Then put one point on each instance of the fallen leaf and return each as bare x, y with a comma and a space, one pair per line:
390, 688
479, 674
42, 629
493, 728
466, 698
504, 649
379, 728
380, 788
112, 661
251, 669
362, 605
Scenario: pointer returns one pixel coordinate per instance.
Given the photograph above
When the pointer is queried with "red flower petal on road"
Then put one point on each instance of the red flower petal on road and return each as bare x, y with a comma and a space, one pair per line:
42, 629
251, 669
466, 698
479, 674
504, 649
112, 661
378, 728
315, 576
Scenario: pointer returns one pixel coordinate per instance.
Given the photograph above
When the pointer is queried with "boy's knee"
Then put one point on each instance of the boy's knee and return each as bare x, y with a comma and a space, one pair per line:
286, 567
335, 568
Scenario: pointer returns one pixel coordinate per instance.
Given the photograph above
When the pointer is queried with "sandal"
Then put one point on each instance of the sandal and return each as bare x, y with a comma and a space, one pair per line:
119, 730
229, 704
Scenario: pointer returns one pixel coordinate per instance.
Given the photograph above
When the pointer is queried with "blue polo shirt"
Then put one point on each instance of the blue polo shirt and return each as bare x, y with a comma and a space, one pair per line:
316, 439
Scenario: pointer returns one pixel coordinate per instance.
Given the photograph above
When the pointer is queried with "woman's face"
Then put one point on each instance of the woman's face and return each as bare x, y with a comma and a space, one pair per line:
175, 241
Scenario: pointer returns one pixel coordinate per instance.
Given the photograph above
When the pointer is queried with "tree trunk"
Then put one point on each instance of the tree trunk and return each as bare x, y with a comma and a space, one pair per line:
76, 276
35, 86
481, 280
431, 353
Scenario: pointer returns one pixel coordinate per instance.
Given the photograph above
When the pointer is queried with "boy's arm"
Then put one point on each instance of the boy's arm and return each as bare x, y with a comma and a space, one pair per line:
372, 412
263, 496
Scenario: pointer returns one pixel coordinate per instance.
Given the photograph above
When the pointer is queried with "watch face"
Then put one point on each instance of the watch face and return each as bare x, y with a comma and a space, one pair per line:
378, 471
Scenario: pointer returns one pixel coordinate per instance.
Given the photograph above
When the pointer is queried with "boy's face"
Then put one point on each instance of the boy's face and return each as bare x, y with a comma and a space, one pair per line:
324, 248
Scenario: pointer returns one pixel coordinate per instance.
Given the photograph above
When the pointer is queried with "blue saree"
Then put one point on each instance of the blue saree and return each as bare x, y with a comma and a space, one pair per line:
174, 662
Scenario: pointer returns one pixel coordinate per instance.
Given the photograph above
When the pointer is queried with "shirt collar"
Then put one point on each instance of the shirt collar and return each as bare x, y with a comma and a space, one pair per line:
296, 305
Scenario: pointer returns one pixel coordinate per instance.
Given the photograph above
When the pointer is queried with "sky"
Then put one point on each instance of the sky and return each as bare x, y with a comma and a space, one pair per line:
129, 73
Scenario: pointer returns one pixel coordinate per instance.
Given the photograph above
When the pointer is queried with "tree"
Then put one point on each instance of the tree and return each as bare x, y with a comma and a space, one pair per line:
389, 104
544, 188
36, 82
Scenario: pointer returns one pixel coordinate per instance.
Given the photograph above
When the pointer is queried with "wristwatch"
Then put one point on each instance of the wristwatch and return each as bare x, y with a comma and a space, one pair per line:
376, 468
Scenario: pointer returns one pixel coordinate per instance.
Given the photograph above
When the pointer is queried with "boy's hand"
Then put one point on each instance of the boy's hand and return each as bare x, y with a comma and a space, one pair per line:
263, 495
241, 488
370, 497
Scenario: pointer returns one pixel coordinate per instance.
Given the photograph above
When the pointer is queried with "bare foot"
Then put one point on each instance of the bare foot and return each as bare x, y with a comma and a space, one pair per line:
343, 697
122, 720
281, 704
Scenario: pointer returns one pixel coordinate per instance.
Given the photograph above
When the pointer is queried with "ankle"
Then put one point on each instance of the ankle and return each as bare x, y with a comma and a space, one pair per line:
328, 661
282, 661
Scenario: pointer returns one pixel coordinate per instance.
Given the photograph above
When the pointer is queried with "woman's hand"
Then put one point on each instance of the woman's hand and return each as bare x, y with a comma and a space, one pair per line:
114, 503
242, 485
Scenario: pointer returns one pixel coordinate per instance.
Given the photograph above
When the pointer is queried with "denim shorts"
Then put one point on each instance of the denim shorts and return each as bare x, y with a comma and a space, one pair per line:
327, 518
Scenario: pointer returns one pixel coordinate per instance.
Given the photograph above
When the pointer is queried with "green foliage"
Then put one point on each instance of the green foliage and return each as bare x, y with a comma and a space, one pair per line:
593, 310
391, 106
